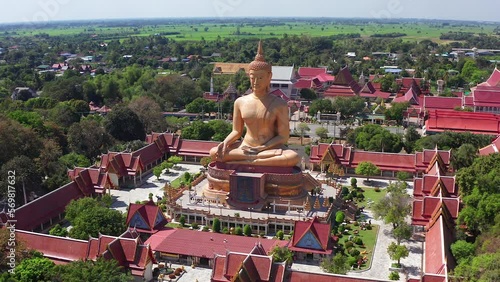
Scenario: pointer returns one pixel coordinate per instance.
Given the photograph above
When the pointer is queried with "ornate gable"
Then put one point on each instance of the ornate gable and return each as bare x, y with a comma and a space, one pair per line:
309, 241
138, 222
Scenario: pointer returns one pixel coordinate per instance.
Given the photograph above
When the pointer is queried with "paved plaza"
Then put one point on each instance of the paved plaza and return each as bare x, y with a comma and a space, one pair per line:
149, 184
380, 262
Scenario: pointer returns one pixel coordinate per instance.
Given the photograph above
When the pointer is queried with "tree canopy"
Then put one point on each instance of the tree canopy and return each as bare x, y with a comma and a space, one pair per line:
374, 137
89, 217
123, 124
367, 169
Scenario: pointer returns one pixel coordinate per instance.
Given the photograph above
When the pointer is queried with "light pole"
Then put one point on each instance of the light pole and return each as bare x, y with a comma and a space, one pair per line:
250, 209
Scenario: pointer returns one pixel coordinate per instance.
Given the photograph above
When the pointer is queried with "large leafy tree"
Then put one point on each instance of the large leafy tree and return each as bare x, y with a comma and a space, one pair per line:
397, 252
123, 124
92, 271
35, 269
200, 105
282, 254
149, 112
198, 130
348, 106
374, 137
27, 178
16, 140
221, 129
367, 169
479, 190
321, 105
463, 156
89, 216
395, 112
395, 206
337, 264
88, 138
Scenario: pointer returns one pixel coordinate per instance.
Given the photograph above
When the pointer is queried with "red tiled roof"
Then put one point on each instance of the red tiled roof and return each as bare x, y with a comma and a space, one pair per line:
303, 83
196, 148
308, 73
424, 186
385, 161
56, 248
279, 93
49, 206
445, 103
494, 79
298, 276
148, 212
324, 78
149, 154
481, 123
179, 241
424, 209
438, 258
494, 147
410, 96
320, 231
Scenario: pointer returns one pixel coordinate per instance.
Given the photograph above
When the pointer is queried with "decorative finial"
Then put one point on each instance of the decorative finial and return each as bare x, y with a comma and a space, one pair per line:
259, 62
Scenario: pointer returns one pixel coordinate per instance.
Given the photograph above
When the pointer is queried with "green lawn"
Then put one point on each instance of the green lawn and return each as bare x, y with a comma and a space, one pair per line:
371, 194
369, 238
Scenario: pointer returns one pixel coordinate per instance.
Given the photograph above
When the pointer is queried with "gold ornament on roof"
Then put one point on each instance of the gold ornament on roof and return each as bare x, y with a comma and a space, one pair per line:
259, 63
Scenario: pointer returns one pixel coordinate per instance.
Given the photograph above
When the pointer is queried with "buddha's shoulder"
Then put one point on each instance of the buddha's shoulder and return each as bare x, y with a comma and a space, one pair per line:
278, 101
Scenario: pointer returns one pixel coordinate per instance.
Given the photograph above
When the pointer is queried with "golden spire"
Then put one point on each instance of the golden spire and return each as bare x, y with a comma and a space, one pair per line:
259, 63
316, 203
307, 205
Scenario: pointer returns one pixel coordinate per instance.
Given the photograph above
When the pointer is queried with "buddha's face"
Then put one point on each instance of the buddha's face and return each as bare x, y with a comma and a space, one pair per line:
260, 80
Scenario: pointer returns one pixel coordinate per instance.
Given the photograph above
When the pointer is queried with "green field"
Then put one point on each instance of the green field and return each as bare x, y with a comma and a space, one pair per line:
211, 31
371, 195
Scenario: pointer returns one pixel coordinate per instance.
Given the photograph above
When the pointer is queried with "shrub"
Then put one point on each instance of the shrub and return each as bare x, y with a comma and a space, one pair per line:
216, 225
355, 223
354, 183
238, 231
195, 226
368, 227
349, 244
352, 261
262, 234
354, 252
280, 235
247, 230
358, 241
394, 275
182, 220
377, 189
225, 230
205, 229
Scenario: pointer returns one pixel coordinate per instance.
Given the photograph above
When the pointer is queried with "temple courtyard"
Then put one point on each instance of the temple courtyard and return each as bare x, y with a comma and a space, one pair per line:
379, 264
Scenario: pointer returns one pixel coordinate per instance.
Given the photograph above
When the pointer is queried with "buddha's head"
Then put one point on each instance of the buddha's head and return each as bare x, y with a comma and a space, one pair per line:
260, 72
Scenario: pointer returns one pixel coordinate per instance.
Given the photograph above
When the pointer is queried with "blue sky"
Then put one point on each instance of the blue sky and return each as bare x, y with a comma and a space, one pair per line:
46, 10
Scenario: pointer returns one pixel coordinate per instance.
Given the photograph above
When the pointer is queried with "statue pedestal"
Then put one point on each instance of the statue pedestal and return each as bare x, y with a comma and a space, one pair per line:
247, 186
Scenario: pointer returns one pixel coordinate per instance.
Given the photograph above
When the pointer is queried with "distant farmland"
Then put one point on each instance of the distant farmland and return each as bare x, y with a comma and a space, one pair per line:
199, 30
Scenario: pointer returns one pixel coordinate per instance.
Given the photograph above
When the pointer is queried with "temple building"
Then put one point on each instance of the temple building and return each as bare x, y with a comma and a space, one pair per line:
485, 97
312, 240
127, 249
145, 218
324, 155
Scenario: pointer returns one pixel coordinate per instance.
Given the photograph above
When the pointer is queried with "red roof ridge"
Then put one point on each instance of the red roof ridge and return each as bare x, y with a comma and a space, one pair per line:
51, 236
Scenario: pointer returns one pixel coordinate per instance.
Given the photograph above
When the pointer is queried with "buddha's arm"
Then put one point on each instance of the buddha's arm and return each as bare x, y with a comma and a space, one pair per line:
282, 128
237, 126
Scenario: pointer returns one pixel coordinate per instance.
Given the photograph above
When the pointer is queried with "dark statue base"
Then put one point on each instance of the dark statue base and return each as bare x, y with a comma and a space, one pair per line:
246, 187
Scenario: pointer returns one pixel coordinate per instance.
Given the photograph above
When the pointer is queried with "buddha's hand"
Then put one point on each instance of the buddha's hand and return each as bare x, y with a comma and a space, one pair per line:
221, 150
253, 150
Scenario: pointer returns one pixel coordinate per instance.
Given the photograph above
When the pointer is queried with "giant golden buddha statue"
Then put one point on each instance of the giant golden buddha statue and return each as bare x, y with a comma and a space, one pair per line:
265, 117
